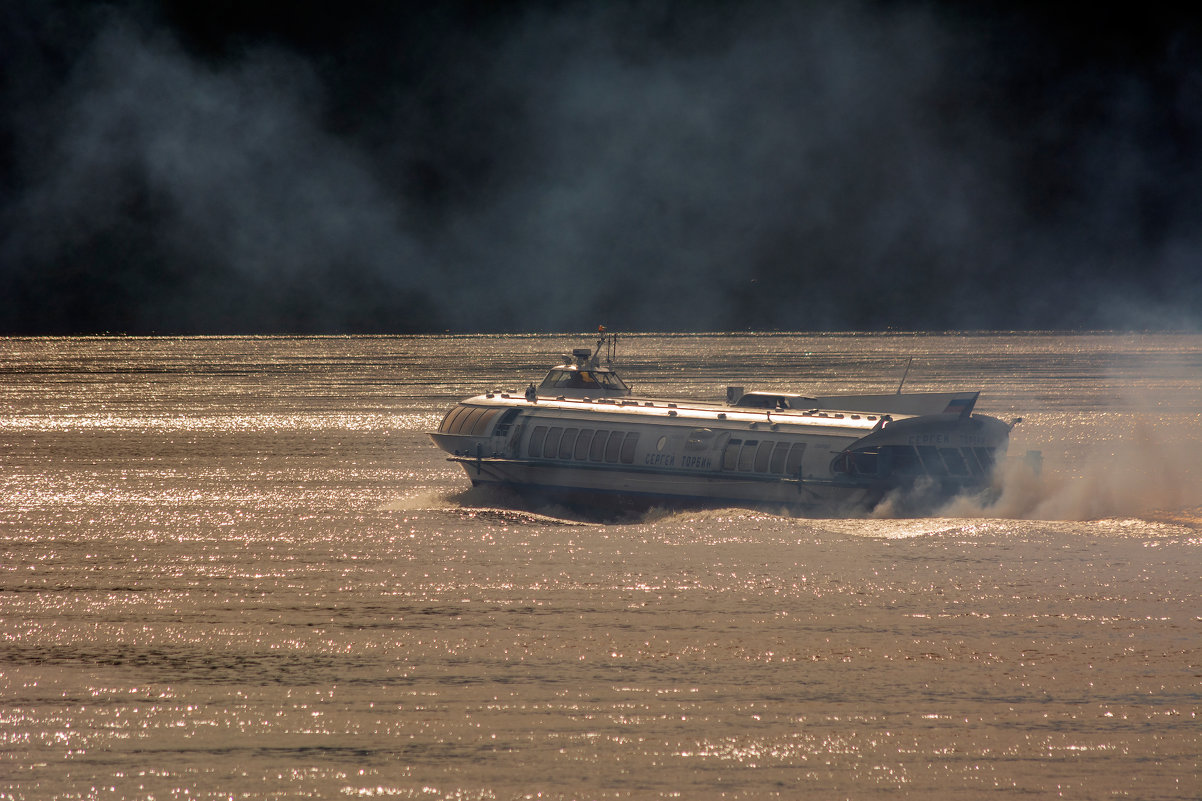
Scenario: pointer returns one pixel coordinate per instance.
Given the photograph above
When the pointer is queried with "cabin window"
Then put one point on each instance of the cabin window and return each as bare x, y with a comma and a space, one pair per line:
762, 456
986, 456
596, 450
456, 422
582, 443
448, 423
535, 448
793, 465
857, 463
904, 459
954, 461
730, 456
551, 446
931, 460
613, 446
628, 445
863, 463
970, 459
506, 421
750, 401
466, 423
568, 443
484, 423
780, 455
755, 400
747, 455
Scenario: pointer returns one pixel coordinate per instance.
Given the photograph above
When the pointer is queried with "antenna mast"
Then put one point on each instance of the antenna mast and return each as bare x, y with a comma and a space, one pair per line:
609, 341
906, 373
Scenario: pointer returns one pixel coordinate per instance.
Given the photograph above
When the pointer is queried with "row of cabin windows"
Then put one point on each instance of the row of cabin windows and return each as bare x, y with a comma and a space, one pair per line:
763, 456
909, 460
582, 444
955, 461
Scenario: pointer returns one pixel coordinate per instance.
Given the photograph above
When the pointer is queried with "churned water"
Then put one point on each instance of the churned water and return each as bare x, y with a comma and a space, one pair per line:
237, 568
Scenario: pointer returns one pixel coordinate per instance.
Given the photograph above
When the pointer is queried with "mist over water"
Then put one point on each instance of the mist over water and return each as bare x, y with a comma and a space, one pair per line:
1132, 462
1143, 474
764, 165
238, 567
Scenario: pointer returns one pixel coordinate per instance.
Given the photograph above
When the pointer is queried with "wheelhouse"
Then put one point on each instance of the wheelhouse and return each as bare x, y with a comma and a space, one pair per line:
600, 381
583, 377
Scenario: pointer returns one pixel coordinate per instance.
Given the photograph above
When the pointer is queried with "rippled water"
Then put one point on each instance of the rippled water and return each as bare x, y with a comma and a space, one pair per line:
236, 568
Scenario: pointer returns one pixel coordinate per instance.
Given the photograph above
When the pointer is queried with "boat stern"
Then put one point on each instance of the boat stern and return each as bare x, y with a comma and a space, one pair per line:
947, 454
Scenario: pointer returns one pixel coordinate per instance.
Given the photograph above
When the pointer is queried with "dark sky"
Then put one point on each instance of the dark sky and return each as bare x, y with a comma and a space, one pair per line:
225, 166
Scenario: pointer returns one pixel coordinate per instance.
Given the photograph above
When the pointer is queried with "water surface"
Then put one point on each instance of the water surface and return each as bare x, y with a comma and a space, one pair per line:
237, 568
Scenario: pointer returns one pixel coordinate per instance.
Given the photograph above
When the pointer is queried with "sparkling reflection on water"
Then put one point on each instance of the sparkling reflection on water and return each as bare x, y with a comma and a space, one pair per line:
236, 568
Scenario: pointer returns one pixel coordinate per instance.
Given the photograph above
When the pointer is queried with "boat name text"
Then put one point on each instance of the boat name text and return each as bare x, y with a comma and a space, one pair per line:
960, 440
669, 460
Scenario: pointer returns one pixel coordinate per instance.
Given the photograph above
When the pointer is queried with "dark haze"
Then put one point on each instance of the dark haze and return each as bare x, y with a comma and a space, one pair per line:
211, 167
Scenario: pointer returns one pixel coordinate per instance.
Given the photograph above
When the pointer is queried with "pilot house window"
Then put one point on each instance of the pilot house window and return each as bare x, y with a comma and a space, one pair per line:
583, 379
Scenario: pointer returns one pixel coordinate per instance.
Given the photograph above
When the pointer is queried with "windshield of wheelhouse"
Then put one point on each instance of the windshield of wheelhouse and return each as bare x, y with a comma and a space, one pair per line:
597, 381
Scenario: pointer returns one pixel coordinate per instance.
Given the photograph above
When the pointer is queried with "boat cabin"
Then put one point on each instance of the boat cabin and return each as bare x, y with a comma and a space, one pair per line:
582, 378
774, 400
912, 403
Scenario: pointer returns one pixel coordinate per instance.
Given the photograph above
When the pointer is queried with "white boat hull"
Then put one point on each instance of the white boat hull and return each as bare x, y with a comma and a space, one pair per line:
644, 488
582, 437
651, 454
